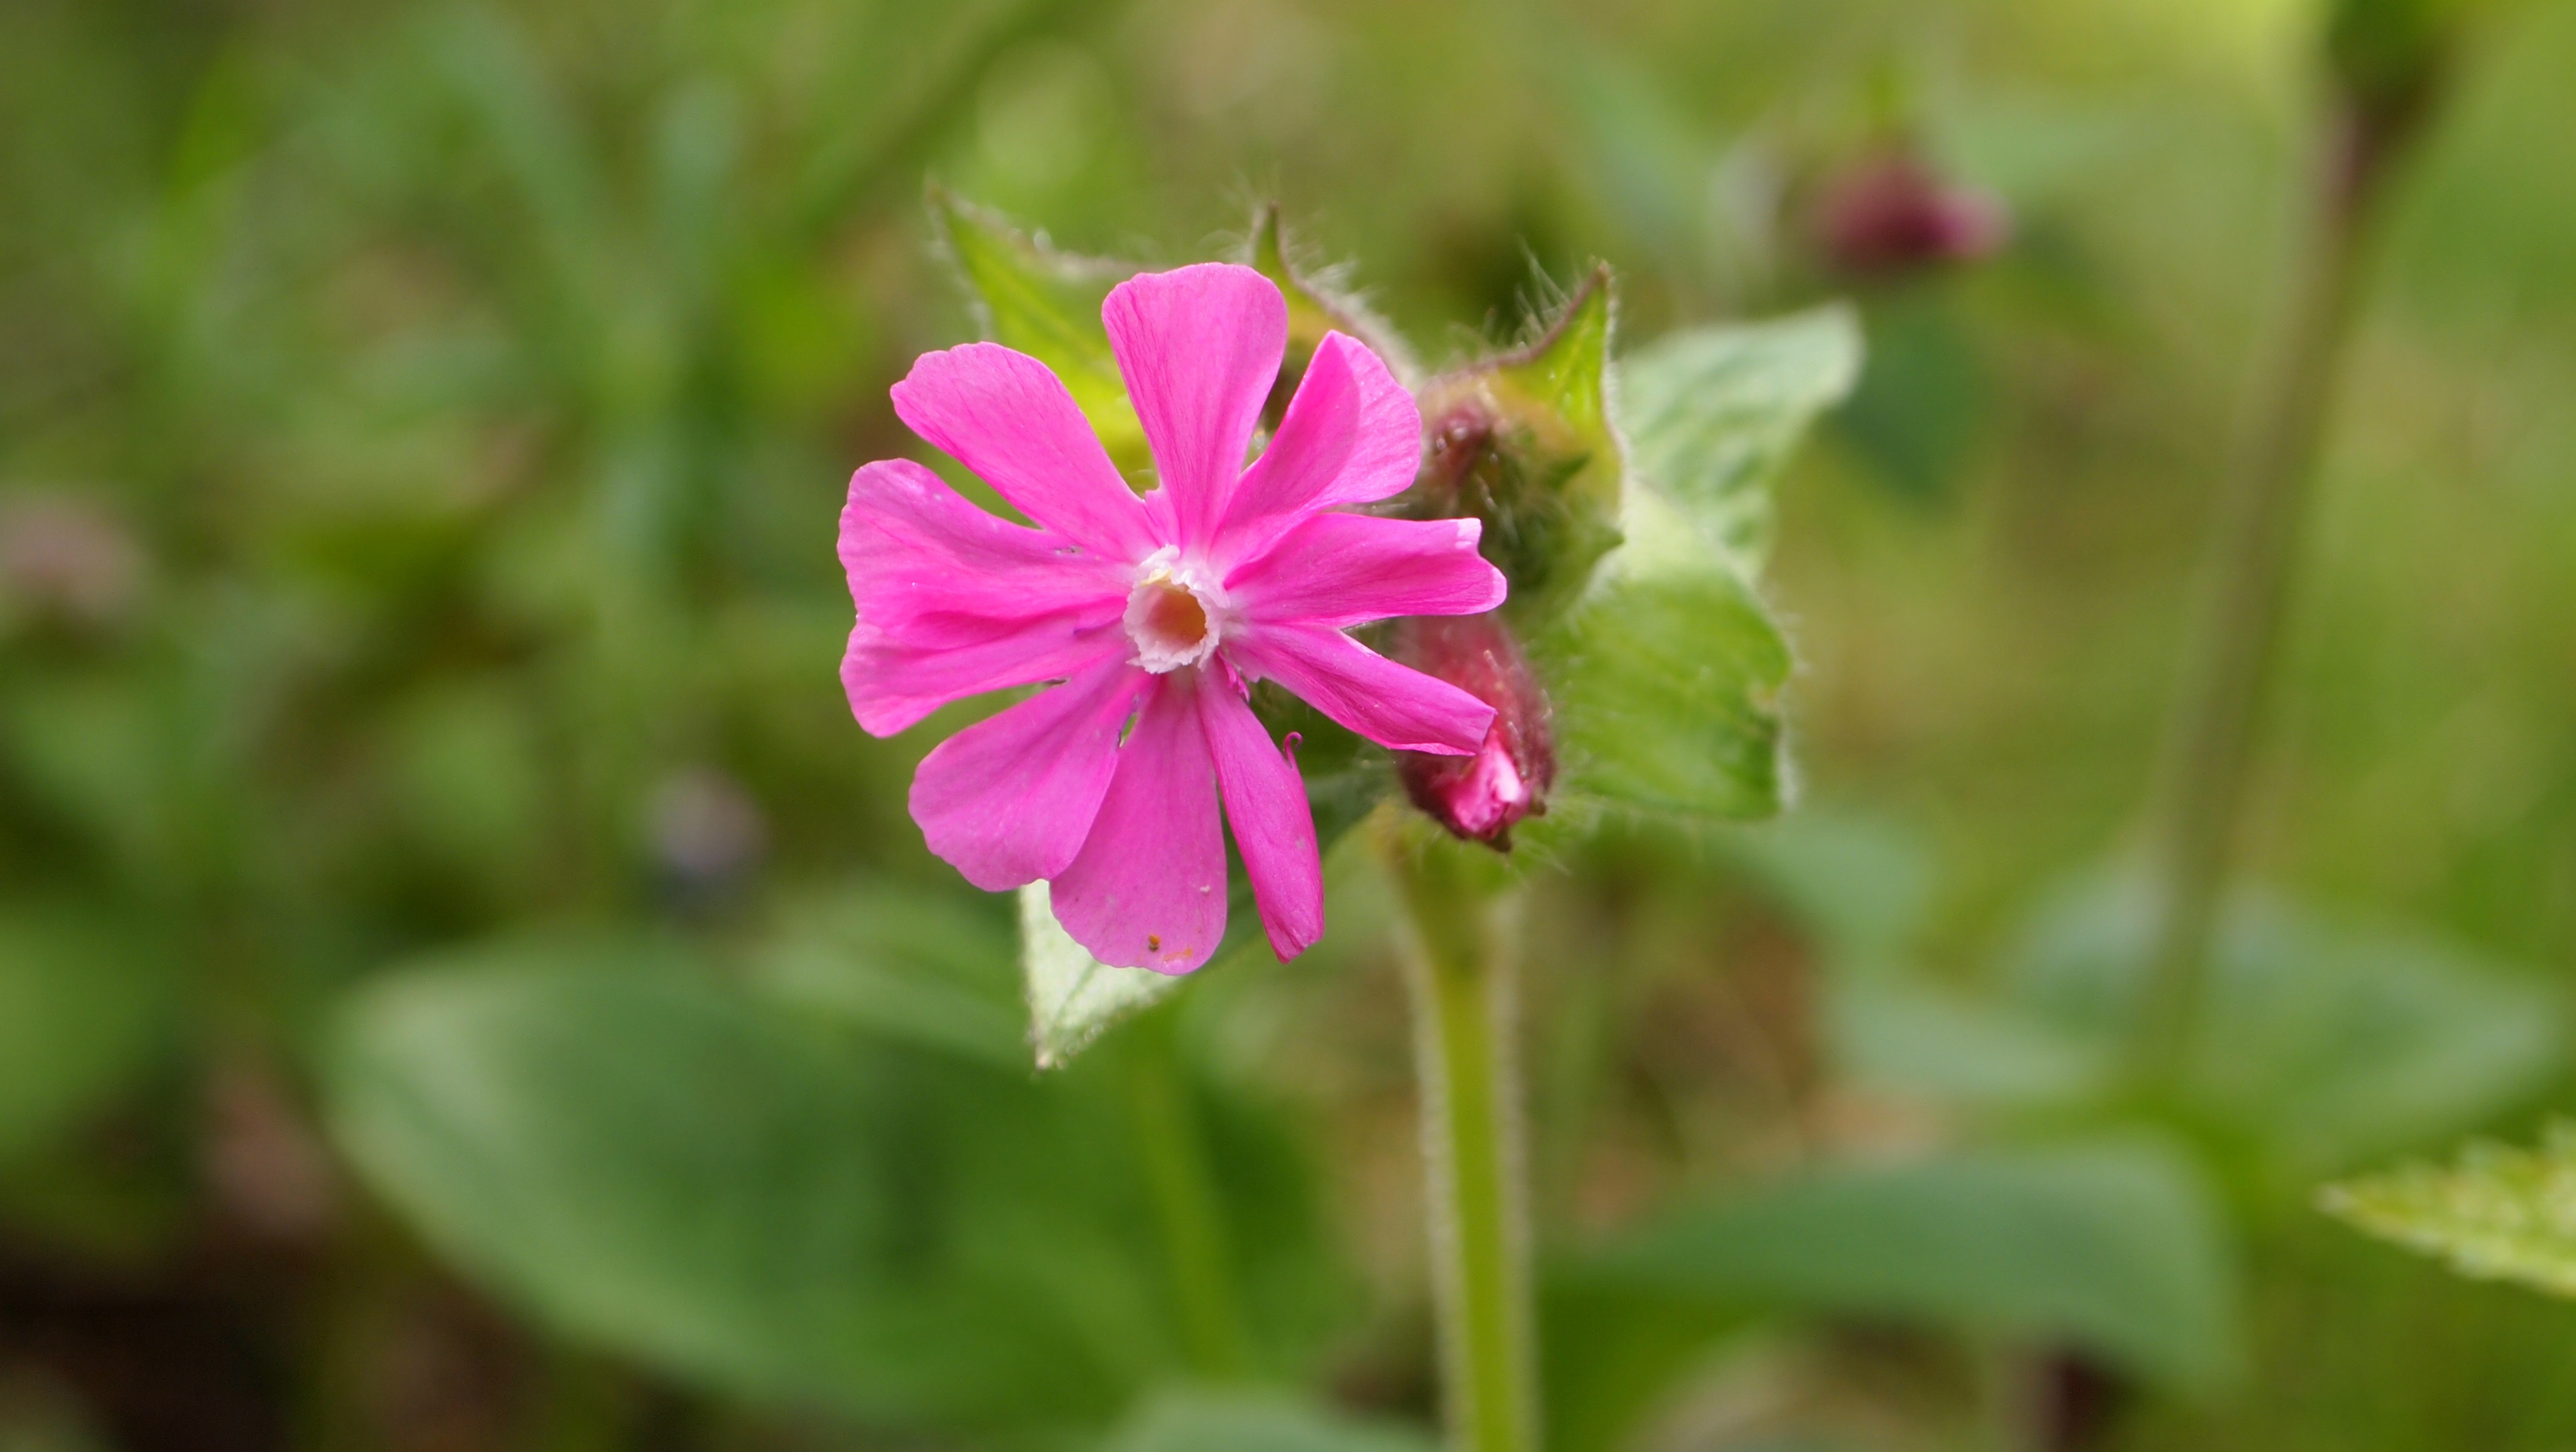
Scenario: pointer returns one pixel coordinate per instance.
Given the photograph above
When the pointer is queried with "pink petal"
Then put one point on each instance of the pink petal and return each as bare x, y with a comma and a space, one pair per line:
1397, 707
1200, 347
1008, 418
1010, 799
1148, 888
893, 683
1351, 436
1274, 829
1342, 569
928, 568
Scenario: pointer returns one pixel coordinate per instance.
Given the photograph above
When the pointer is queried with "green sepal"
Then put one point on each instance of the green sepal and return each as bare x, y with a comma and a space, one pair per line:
1524, 442
1316, 306
1029, 296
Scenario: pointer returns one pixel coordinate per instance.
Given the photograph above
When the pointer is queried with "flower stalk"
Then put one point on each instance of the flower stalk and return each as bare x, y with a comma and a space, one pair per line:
2210, 746
1475, 1164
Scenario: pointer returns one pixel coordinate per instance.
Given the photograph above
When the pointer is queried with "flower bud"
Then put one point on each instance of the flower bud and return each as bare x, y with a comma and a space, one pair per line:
1891, 214
68, 562
1479, 797
1523, 442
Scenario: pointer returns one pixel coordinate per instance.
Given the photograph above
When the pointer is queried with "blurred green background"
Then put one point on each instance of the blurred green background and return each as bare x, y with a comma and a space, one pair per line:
465, 982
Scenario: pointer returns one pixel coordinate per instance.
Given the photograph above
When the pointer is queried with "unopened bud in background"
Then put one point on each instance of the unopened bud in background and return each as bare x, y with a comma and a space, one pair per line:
66, 561
1480, 797
707, 835
1891, 213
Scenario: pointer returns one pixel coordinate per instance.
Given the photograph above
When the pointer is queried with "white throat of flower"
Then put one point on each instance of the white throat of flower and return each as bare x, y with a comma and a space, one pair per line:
1176, 615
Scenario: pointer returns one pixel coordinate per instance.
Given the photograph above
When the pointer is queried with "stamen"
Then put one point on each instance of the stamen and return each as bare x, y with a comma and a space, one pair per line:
1170, 618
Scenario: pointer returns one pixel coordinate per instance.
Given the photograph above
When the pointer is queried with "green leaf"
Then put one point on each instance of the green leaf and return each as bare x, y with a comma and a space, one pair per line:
1920, 1040
652, 1163
1524, 443
2326, 1043
1666, 673
903, 965
2113, 1247
1667, 693
2499, 1214
83, 1008
1712, 415
1046, 303
1862, 883
1074, 997
1615, 1350
1248, 1422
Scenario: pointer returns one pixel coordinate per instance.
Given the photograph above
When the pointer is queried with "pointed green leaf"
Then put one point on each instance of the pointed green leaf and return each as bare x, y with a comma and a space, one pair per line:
1667, 691
1712, 415
1073, 996
2116, 1247
2499, 1214
1046, 303
1524, 443
648, 1161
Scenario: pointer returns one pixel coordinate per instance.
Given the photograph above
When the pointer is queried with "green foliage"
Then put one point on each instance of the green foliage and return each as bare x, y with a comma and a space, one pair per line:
1046, 303
1894, 1032
2498, 1214
2321, 1044
1238, 1422
2388, 53
903, 966
1712, 415
1667, 691
83, 1008
1667, 676
654, 1164
2116, 1248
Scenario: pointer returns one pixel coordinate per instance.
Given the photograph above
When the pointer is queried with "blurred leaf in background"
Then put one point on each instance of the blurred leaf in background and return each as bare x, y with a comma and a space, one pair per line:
2498, 1214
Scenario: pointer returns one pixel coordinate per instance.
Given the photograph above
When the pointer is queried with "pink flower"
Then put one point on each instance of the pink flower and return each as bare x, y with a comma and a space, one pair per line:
1153, 615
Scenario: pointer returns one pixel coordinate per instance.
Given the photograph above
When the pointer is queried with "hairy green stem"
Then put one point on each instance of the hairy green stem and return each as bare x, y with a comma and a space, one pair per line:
2212, 737
1474, 1162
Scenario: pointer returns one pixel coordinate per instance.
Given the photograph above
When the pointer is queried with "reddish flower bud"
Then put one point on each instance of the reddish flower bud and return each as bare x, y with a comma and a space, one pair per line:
1891, 214
68, 561
1479, 797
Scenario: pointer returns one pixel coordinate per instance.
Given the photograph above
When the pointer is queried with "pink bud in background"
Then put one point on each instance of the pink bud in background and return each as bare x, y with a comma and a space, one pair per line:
1479, 797
66, 560
1891, 213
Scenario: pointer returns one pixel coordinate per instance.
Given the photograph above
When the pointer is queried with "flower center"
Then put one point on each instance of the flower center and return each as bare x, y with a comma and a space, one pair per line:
1169, 618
